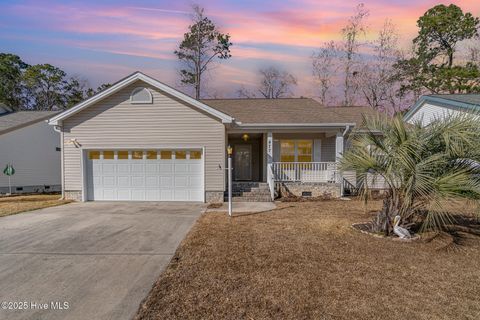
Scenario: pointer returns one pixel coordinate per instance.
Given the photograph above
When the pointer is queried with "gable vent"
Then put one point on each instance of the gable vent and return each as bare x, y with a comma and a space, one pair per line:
141, 95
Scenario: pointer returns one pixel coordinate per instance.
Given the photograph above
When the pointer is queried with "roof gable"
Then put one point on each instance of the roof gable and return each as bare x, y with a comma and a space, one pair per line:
467, 102
129, 80
15, 120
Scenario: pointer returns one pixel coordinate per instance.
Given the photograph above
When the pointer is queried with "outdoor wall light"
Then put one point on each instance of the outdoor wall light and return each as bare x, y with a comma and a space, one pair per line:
75, 142
245, 137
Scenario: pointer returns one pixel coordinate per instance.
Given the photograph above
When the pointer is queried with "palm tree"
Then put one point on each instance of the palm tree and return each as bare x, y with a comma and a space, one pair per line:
421, 167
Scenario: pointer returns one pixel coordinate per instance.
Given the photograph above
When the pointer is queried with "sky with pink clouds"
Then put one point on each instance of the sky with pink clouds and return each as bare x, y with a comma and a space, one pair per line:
105, 40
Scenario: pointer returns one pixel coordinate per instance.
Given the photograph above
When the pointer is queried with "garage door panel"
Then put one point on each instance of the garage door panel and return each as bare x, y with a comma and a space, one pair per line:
181, 181
109, 194
151, 168
124, 194
109, 181
142, 179
123, 181
123, 167
108, 168
138, 181
97, 168
166, 195
151, 181
138, 194
195, 168
137, 168
152, 195
180, 194
181, 168
166, 182
196, 195
194, 181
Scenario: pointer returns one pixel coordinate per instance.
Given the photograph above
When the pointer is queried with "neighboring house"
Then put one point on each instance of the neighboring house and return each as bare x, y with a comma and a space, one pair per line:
32, 147
142, 140
431, 107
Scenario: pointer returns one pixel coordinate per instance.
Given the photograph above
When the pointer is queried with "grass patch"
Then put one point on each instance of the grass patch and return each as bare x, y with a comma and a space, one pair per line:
16, 204
304, 261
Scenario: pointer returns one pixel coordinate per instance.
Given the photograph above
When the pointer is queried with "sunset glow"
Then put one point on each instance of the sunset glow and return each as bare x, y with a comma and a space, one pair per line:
103, 41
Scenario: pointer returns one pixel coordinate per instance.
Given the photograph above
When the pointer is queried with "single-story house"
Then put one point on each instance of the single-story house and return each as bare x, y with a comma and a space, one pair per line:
437, 106
143, 140
32, 147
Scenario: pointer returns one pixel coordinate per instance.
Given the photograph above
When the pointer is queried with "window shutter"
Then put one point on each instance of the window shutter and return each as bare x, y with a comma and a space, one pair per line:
276, 150
317, 150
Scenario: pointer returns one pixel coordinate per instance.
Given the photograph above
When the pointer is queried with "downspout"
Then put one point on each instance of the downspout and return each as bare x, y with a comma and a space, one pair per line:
59, 129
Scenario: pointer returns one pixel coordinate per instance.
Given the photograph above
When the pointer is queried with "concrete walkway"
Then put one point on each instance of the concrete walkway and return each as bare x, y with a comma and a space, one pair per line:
243, 207
99, 258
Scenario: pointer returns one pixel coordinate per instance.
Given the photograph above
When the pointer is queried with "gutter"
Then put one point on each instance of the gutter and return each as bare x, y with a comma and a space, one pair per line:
58, 128
294, 125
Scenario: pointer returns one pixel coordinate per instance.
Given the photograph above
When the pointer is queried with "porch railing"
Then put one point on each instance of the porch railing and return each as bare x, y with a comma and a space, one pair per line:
305, 171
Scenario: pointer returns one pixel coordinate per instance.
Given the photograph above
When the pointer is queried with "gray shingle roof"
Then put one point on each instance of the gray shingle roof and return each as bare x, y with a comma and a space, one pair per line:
290, 110
473, 99
15, 120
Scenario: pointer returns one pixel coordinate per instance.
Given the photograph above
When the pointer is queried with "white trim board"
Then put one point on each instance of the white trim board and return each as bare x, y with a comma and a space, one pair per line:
129, 80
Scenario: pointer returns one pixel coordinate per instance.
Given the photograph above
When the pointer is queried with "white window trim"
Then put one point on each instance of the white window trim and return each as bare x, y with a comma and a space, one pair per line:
138, 89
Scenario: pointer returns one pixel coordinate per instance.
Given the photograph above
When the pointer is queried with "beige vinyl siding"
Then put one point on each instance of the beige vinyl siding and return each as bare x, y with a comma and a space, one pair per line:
328, 149
116, 123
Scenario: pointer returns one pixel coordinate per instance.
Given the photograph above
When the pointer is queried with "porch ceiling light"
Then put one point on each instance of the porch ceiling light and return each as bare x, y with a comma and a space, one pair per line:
245, 137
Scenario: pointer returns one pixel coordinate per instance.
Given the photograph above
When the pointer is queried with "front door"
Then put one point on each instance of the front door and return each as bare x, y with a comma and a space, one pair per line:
243, 162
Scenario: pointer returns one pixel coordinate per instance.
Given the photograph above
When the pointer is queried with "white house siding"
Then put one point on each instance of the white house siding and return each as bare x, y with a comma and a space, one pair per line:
428, 112
116, 123
32, 152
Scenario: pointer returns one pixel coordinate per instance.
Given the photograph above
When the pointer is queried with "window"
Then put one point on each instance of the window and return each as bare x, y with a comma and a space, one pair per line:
287, 150
141, 95
181, 155
122, 155
108, 155
296, 150
151, 155
195, 155
137, 155
304, 151
94, 155
165, 154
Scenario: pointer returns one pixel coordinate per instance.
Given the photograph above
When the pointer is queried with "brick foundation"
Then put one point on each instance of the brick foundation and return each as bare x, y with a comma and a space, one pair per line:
73, 195
320, 189
214, 196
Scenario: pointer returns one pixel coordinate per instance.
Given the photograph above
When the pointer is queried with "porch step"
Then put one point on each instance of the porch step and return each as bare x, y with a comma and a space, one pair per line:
249, 192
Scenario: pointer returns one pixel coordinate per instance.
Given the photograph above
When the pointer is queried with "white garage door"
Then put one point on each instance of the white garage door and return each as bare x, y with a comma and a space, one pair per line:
145, 175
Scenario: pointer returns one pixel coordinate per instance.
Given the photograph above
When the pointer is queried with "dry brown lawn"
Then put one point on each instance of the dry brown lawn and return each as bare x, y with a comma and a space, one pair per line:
304, 261
17, 204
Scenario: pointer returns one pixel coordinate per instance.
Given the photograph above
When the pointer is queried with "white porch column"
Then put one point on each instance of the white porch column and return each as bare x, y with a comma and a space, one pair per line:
338, 146
267, 153
338, 155
269, 147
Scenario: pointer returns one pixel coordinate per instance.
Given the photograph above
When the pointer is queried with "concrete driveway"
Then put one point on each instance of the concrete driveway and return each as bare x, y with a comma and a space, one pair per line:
99, 258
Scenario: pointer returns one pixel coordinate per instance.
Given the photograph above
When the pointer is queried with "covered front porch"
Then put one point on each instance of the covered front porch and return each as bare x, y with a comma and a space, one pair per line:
303, 160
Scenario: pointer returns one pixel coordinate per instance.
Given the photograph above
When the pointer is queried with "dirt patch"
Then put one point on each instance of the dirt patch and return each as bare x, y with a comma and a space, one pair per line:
214, 205
16, 204
304, 261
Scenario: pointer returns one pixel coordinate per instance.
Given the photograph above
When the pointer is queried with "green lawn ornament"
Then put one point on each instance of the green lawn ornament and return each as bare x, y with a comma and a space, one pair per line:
9, 171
